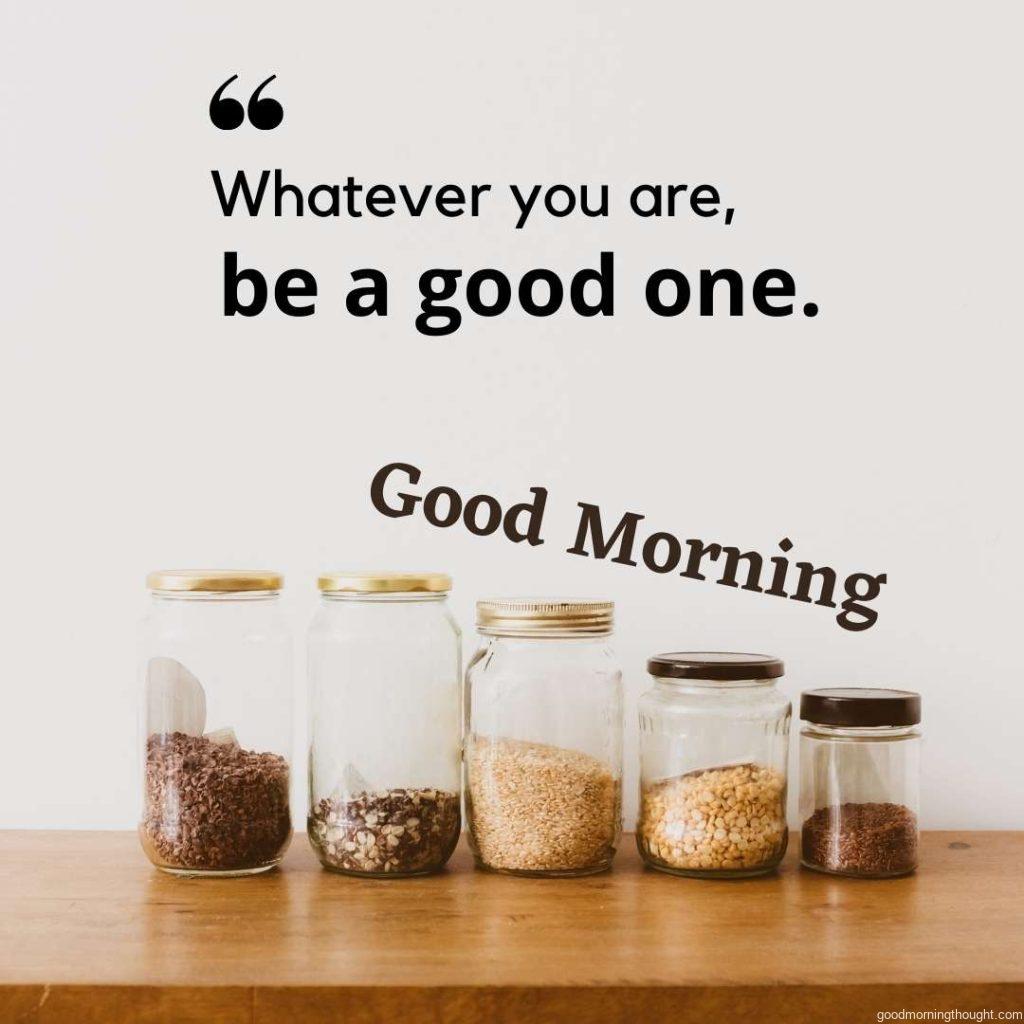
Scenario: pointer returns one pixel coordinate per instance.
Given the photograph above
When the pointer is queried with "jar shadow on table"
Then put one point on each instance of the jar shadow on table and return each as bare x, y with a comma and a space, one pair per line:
359, 919
221, 914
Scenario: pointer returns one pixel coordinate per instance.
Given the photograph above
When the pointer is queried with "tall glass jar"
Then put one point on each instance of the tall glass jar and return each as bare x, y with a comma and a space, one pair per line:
385, 724
859, 781
216, 722
714, 742
544, 738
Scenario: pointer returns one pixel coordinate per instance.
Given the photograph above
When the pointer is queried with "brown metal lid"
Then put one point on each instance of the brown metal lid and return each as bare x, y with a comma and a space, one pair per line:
717, 666
860, 706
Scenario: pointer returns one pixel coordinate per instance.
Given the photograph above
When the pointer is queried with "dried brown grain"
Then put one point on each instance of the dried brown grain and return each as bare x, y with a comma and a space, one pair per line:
539, 808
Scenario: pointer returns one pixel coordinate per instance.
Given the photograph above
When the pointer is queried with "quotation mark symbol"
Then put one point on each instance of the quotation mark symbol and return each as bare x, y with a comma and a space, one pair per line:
227, 113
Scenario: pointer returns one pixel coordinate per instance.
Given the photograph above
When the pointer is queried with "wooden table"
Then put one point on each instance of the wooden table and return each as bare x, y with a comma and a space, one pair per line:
90, 932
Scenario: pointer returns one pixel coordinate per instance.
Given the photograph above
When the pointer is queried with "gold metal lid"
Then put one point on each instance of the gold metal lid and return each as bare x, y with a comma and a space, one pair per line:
216, 581
543, 616
372, 582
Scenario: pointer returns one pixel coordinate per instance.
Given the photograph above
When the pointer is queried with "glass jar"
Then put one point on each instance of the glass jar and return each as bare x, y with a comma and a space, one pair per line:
385, 727
714, 743
216, 723
859, 781
544, 738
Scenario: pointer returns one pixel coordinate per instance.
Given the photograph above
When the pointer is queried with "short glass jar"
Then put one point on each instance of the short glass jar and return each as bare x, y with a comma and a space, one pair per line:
859, 781
385, 724
544, 738
714, 742
216, 722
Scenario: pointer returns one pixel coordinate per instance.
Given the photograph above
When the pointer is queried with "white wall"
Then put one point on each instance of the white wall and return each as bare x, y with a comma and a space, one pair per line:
873, 151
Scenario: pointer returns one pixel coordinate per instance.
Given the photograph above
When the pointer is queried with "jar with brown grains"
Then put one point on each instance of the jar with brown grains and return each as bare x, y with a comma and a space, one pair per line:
216, 723
859, 778
544, 738
714, 741
385, 724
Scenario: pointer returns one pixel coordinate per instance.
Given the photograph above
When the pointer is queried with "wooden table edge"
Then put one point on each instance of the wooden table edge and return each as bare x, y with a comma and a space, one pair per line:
590, 1004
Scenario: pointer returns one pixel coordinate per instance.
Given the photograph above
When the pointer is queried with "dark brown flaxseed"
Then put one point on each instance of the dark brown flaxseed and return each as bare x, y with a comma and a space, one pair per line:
871, 839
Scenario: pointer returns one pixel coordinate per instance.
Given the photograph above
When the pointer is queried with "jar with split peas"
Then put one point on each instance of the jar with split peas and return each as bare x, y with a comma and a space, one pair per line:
385, 724
543, 751
714, 742
216, 722
859, 780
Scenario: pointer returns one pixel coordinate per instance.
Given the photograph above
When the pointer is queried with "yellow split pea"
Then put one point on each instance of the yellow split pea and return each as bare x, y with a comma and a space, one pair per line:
720, 819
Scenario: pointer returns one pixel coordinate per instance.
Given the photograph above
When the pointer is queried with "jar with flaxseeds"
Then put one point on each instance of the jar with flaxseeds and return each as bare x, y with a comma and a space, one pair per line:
544, 738
859, 779
714, 742
216, 671
385, 724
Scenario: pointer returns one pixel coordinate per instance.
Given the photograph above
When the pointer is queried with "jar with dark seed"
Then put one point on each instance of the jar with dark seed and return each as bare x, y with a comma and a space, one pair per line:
385, 724
859, 779
216, 737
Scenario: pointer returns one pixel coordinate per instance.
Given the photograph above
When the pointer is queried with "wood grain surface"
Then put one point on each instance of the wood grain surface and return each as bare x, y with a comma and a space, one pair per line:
90, 932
